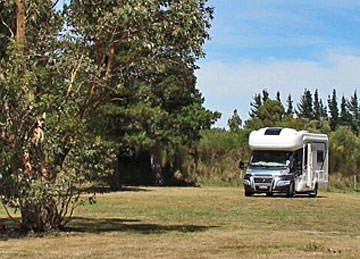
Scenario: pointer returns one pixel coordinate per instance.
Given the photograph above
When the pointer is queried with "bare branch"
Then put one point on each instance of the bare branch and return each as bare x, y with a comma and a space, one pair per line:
11, 217
8, 27
55, 4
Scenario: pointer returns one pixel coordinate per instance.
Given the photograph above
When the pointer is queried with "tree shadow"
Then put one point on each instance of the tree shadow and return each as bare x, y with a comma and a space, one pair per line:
8, 229
106, 189
101, 225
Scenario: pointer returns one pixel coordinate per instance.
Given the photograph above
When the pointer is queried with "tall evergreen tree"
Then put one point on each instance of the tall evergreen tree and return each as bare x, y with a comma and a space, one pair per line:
255, 105
265, 95
290, 108
355, 112
271, 112
333, 110
278, 97
323, 110
345, 116
317, 107
305, 107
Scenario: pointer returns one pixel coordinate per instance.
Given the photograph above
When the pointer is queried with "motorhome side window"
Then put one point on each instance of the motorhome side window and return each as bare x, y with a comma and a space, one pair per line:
298, 156
305, 155
320, 156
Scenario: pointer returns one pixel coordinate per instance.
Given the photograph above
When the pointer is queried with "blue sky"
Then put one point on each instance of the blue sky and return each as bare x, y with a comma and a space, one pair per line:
285, 45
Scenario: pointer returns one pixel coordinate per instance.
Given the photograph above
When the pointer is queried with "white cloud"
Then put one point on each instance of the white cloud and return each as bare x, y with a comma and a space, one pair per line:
230, 86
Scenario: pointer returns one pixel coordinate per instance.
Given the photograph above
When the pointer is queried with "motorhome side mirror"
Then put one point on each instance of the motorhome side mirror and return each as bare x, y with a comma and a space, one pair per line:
242, 165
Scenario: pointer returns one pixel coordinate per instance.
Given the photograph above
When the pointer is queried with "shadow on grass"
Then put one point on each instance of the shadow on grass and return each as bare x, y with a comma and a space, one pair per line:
283, 196
100, 225
101, 190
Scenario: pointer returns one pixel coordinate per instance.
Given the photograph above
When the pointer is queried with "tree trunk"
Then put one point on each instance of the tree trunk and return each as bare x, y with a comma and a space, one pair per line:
20, 21
40, 217
155, 159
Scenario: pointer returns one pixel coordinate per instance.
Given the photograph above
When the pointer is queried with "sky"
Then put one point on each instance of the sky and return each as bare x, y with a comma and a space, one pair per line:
279, 45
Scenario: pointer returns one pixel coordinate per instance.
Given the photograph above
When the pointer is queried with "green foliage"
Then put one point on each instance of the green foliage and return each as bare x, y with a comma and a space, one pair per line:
234, 122
333, 110
305, 106
255, 105
354, 112
218, 154
344, 151
271, 112
345, 116
290, 108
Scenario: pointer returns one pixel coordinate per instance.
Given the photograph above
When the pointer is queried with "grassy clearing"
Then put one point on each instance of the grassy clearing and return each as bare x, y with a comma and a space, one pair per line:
202, 223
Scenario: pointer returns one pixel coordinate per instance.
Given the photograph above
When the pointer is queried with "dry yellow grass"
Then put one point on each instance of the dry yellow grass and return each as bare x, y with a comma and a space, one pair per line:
202, 223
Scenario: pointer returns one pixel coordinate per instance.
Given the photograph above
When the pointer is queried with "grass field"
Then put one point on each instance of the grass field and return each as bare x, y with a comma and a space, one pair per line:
202, 223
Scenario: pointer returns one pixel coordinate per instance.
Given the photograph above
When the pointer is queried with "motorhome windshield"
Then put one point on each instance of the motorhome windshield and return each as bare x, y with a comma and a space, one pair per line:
270, 159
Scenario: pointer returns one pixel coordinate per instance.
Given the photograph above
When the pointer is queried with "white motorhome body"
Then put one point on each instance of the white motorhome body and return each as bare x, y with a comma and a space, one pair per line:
287, 161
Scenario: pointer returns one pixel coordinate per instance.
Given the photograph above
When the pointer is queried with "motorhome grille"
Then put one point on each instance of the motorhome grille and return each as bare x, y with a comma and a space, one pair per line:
263, 180
273, 131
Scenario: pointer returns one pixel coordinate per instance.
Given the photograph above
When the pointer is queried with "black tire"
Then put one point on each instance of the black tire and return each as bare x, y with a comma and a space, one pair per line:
248, 194
315, 192
291, 191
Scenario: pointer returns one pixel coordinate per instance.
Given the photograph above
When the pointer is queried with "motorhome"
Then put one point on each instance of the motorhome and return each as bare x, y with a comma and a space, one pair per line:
287, 161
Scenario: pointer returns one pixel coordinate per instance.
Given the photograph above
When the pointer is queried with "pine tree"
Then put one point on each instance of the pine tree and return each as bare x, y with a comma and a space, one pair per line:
323, 110
278, 97
317, 107
265, 95
345, 116
355, 112
333, 110
290, 108
255, 105
235, 122
305, 107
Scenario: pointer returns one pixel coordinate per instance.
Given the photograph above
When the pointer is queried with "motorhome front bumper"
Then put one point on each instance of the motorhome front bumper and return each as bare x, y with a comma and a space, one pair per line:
267, 183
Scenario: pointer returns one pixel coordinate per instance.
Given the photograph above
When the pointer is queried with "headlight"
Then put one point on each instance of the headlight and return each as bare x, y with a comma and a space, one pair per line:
247, 182
283, 183
284, 171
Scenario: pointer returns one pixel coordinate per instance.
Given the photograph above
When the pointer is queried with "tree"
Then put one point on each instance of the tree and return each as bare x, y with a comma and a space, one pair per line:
255, 105
355, 112
278, 98
345, 116
271, 112
234, 122
344, 150
172, 47
304, 108
265, 95
290, 109
317, 106
323, 110
53, 83
333, 110
151, 118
